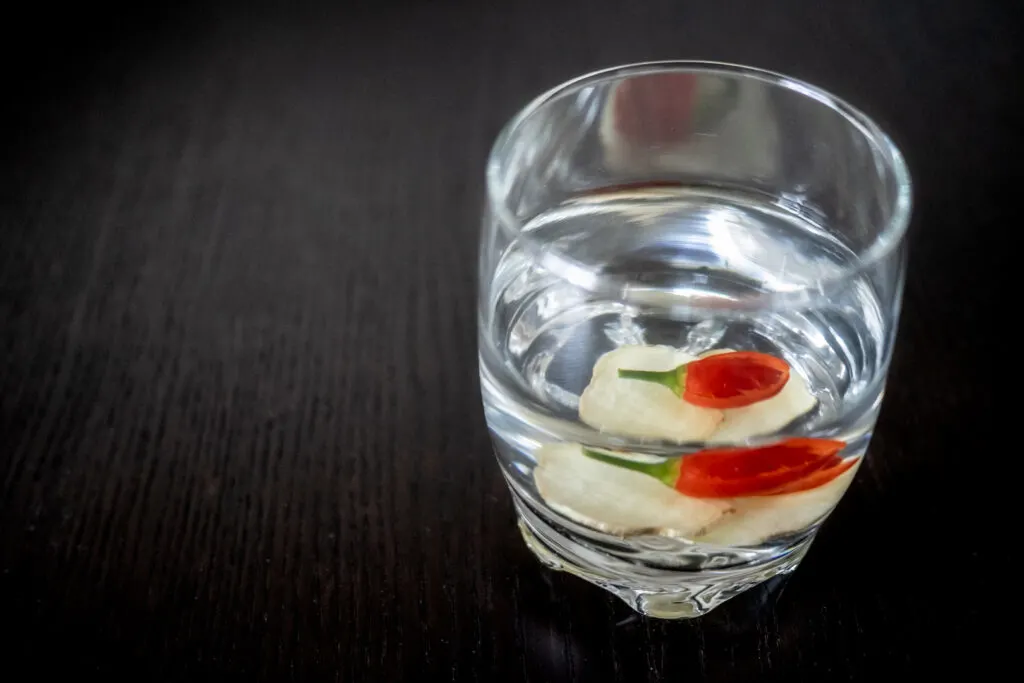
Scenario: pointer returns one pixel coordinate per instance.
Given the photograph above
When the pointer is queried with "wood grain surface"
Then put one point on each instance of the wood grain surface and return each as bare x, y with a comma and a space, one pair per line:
240, 420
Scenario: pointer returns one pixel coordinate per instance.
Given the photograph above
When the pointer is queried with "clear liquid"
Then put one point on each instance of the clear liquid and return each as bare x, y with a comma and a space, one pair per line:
695, 269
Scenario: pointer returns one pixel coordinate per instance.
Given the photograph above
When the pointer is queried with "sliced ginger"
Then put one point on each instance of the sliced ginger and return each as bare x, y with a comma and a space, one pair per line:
758, 518
616, 500
624, 502
641, 409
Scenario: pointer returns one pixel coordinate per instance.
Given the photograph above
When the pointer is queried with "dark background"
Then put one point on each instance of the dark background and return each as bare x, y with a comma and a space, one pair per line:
240, 432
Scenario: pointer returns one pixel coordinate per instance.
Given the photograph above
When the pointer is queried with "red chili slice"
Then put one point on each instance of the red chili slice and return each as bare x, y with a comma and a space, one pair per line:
815, 479
726, 380
734, 380
765, 470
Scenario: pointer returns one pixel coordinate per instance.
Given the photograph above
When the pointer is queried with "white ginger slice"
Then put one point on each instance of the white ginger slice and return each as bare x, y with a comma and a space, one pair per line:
767, 416
631, 407
618, 501
758, 518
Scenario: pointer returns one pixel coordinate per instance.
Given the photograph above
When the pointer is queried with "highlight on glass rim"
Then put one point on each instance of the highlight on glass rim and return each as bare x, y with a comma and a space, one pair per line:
690, 283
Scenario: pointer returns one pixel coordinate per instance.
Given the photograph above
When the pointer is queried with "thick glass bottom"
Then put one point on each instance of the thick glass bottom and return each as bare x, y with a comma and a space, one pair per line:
652, 590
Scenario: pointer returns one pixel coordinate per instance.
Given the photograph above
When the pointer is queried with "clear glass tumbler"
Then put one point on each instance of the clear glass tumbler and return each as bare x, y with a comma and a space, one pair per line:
690, 278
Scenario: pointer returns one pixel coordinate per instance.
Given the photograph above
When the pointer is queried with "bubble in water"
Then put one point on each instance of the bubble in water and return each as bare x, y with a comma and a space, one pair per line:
704, 336
624, 331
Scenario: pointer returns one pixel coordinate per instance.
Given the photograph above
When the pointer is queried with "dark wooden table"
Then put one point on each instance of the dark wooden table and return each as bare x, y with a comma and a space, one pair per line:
241, 431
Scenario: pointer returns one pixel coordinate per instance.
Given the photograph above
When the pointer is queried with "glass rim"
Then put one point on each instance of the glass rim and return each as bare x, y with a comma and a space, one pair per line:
888, 238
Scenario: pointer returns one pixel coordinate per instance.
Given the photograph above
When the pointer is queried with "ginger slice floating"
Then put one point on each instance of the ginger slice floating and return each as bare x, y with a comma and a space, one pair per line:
627, 499
758, 518
643, 409
616, 500
767, 416
635, 407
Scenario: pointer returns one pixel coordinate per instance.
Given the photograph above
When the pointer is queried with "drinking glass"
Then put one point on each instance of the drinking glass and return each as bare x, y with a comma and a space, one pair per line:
690, 279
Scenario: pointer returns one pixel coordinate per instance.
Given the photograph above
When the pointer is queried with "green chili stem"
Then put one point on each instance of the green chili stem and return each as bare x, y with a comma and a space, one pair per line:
674, 379
666, 472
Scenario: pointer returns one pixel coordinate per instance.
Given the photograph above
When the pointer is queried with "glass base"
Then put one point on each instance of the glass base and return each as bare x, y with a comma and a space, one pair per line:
653, 591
